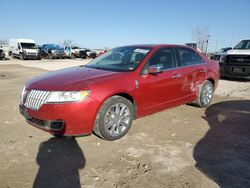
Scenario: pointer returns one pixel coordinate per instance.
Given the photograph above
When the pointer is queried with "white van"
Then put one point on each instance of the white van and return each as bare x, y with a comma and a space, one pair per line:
24, 49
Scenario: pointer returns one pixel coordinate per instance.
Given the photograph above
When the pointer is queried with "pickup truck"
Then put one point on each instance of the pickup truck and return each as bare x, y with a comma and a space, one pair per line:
236, 62
91, 54
74, 51
52, 51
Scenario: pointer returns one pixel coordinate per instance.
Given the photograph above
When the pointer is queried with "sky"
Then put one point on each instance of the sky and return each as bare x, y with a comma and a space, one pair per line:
111, 23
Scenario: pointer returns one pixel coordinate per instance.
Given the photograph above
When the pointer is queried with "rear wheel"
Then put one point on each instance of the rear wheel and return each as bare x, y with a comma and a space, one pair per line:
205, 96
114, 118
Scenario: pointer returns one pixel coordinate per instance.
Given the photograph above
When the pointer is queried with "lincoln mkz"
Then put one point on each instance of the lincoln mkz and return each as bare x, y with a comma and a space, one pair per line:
107, 94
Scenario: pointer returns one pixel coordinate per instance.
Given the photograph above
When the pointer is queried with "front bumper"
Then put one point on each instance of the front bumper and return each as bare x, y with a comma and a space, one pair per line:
81, 54
235, 71
57, 55
30, 56
69, 119
2, 55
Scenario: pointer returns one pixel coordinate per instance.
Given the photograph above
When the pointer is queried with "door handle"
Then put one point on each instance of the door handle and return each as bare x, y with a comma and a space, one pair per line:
176, 76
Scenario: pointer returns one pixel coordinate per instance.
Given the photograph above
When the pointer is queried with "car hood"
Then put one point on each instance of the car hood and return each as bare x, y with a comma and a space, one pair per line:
70, 79
238, 52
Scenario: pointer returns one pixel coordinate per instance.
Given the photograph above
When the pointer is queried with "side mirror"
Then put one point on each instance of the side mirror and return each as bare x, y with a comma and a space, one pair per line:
154, 69
19, 48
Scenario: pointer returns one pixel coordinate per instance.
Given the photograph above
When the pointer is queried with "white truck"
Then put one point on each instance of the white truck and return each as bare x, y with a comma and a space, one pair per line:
24, 49
236, 62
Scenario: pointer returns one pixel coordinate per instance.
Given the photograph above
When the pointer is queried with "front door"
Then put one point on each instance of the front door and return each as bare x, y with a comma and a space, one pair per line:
157, 91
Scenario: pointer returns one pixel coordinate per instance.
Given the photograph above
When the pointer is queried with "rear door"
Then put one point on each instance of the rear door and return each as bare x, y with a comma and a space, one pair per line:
193, 70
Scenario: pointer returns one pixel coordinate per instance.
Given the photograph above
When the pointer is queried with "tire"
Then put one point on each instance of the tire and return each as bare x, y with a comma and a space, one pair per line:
114, 118
72, 56
21, 56
205, 96
50, 56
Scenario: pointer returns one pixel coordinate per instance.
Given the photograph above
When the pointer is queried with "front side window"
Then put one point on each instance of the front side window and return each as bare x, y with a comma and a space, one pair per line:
188, 57
120, 59
163, 57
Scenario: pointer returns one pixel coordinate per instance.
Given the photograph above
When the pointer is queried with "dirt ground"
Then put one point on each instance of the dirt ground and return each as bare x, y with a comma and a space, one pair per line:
179, 147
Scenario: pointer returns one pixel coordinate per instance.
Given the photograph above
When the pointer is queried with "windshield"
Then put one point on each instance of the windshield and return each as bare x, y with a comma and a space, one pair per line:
244, 44
28, 46
53, 47
56, 47
120, 59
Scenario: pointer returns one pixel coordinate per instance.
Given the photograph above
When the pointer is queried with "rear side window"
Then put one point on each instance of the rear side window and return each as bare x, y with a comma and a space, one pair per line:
188, 57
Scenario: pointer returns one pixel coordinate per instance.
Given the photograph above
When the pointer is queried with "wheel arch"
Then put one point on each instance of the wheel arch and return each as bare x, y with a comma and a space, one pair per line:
130, 98
212, 81
126, 96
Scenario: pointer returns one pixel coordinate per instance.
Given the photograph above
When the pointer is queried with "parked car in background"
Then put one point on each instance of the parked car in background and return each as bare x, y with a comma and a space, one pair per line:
216, 56
52, 51
123, 84
2, 54
73, 52
90, 53
102, 52
236, 62
23, 49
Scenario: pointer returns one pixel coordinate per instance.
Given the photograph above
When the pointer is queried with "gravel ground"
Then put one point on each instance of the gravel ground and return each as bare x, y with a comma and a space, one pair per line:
179, 147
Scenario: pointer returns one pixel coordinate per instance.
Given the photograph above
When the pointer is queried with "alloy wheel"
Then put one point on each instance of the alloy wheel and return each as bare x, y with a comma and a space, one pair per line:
117, 119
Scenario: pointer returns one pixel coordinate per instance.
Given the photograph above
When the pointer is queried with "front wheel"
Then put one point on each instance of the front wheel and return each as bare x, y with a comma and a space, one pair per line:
72, 56
21, 56
50, 56
114, 118
205, 96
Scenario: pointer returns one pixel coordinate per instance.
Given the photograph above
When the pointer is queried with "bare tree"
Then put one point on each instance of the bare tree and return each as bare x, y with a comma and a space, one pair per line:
66, 42
201, 36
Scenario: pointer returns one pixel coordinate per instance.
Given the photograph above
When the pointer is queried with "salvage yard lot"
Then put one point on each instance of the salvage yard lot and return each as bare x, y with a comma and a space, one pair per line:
180, 147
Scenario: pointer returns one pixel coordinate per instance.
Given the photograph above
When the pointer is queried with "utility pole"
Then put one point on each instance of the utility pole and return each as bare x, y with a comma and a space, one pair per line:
207, 43
216, 45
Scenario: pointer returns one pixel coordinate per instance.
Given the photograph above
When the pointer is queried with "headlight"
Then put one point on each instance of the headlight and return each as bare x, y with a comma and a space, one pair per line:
67, 96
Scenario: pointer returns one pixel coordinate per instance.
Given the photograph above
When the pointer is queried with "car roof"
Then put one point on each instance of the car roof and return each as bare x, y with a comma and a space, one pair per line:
155, 45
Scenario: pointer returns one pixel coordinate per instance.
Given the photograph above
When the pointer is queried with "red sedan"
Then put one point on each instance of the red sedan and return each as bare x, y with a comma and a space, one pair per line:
125, 83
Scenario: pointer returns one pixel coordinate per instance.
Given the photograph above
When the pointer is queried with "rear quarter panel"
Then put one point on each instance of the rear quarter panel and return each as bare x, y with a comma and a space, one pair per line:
213, 72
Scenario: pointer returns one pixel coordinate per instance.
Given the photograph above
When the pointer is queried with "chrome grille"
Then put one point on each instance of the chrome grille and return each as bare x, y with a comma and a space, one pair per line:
32, 53
238, 59
36, 98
